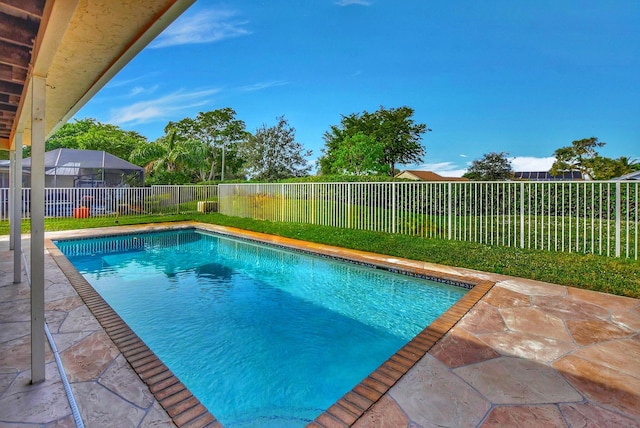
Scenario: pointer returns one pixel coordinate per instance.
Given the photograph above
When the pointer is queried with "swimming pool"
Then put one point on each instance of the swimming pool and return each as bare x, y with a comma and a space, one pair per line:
230, 318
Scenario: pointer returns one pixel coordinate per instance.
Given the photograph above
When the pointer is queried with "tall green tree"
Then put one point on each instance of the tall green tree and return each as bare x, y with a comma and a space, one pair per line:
89, 134
359, 155
394, 130
272, 153
604, 168
221, 132
583, 156
492, 166
579, 156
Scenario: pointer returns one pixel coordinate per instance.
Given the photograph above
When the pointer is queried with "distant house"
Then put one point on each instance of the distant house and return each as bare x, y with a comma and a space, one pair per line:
546, 176
426, 176
631, 176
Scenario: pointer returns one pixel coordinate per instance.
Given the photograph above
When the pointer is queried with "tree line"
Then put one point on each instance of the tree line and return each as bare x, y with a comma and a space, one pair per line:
581, 156
216, 146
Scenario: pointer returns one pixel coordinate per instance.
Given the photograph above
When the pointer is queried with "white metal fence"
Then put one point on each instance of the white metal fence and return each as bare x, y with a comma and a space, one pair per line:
586, 217
97, 201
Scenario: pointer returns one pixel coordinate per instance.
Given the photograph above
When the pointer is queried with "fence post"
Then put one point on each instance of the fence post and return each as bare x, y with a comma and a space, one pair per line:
282, 190
393, 207
618, 216
313, 203
522, 215
179, 199
449, 209
349, 205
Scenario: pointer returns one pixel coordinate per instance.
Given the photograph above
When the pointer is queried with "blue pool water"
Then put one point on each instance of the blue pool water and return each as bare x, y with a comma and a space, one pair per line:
262, 336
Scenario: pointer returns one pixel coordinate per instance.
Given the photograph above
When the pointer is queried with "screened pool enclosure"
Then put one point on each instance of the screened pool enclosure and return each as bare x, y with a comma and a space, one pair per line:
88, 168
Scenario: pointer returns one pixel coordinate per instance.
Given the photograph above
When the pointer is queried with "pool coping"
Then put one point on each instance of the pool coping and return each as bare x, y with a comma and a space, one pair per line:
184, 408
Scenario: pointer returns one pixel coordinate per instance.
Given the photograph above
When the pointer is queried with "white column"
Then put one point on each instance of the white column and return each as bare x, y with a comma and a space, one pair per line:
16, 216
12, 201
38, 85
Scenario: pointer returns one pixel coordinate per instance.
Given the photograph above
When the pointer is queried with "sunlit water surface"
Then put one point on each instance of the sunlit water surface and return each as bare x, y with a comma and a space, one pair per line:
262, 336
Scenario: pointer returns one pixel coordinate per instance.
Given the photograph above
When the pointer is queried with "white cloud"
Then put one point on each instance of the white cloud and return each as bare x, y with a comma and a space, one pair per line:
206, 27
353, 2
445, 169
137, 90
140, 90
529, 163
136, 81
263, 85
162, 108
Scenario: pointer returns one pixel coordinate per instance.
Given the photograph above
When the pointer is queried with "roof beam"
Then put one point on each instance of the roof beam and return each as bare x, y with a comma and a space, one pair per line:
9, 88
18, 31
25, 8
14, 55
9, 100
12, 74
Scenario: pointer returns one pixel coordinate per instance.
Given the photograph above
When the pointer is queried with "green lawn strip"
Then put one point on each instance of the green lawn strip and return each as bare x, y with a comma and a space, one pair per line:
610, 275
54, 224
600, 273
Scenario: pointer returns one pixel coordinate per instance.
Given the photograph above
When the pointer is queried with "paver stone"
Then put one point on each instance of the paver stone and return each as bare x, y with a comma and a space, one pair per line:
509, 380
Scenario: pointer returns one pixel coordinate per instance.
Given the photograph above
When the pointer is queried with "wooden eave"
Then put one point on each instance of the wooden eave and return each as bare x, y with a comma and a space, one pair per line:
77, 45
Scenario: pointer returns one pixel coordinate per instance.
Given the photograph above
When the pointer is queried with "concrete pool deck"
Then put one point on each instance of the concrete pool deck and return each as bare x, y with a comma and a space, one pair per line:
527, 354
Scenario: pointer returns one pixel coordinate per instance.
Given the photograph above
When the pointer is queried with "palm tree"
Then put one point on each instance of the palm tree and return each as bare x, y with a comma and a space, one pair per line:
172, 154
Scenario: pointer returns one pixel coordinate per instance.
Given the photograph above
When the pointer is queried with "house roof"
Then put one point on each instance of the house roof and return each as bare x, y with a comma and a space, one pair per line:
79, 45
631, 176
429, 176
546, 176
74, 159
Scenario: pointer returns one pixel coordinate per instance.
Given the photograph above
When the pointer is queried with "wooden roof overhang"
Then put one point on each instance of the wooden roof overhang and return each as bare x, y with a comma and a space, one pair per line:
77, 45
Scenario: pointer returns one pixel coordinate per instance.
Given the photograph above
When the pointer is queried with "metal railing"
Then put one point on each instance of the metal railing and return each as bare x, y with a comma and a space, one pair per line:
599, 217
116, 201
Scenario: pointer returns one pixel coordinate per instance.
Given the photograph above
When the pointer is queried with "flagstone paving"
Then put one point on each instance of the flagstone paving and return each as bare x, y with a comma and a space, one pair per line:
107, 390
527, 354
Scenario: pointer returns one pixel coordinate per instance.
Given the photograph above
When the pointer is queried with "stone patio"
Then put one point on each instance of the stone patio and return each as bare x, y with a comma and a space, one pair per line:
527, 354
107, 391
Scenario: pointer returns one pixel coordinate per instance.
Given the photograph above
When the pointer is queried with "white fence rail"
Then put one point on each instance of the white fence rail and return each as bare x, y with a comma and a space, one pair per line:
96, 201
585, 217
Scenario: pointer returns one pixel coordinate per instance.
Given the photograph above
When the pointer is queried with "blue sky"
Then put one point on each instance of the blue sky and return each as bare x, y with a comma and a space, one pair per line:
523, 77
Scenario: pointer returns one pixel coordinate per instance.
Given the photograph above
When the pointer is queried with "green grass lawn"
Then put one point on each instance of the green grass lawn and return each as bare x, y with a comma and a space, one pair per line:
606, 274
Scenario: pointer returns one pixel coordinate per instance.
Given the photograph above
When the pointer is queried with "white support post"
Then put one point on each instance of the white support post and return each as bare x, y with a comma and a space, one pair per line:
16, 216
38, 85
12, 193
